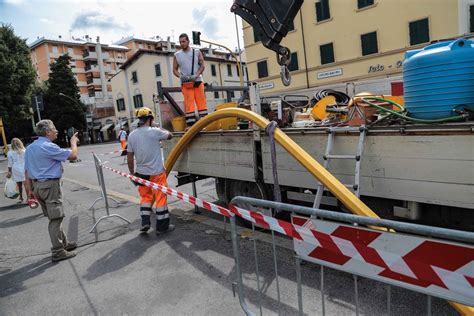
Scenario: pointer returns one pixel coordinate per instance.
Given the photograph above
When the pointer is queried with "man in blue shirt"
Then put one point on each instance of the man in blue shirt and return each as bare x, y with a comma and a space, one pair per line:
43, 170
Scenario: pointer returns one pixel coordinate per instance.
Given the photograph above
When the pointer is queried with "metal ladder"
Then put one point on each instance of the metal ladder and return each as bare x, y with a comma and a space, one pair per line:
332, 131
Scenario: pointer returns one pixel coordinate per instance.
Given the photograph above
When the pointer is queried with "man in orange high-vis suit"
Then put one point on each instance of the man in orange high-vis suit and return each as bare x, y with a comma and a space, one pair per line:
188, 65
144, 149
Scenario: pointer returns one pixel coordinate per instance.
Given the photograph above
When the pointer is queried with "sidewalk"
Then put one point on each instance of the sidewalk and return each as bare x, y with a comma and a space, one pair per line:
188, 272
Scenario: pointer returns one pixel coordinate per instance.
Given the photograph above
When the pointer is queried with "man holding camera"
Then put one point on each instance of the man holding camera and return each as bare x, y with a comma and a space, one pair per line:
188, 65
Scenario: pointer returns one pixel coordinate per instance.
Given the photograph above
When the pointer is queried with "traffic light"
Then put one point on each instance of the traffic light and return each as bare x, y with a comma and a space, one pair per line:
196, 38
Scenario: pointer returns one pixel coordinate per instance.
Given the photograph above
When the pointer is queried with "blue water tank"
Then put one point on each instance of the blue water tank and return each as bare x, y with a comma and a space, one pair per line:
438, 79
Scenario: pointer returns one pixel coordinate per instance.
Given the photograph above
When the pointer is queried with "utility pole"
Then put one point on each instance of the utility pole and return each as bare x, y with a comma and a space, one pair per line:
37, 108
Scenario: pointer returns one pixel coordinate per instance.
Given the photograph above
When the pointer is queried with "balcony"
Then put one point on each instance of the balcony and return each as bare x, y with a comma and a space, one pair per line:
88, 55
92, 68
99, 95
93, 81
105, 56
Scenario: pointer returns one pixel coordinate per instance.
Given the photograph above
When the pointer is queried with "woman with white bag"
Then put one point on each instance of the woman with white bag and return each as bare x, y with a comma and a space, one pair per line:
16, 165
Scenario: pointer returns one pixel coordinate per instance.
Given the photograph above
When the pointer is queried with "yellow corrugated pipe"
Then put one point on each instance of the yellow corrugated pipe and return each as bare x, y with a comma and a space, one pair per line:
352, 202
318, 171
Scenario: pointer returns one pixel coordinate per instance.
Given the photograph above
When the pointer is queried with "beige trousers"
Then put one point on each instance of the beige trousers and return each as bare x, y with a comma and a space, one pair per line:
49, 196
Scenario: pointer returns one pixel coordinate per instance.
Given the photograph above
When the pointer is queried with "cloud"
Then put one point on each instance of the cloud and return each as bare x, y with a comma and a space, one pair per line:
209, 25
47, 21
97, 20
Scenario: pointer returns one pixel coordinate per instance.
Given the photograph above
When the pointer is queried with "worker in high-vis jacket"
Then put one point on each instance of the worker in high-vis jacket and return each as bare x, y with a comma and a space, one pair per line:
144, 149
188, 66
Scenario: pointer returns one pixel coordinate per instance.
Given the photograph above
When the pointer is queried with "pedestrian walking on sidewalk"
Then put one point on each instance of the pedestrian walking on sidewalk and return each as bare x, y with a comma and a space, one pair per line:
144, 149
43, 171
188, 65
16, 165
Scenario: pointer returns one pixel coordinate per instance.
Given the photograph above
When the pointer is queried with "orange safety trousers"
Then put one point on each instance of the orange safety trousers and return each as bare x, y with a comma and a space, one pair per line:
124, 144
157, 199
194, 96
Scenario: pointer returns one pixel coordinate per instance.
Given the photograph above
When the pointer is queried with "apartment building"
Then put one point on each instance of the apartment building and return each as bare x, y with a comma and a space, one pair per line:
356, 45
92, 63
134, 43
136, 83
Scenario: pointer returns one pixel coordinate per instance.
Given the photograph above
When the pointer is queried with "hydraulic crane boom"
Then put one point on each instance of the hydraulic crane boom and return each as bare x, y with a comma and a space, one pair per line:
270, 18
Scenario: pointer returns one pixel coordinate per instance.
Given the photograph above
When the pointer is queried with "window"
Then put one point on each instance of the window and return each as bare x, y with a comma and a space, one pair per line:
231, 94
120, 105
55, 49
419, 32
294, 62
256, 35
262, 69
364, 3
291, 26
138, 101
369, 43
70, 51
229, 70
327, 53
237, 70
140, 45
134, 77
322, 10
216, 94
158, 70
213, 70
471, 17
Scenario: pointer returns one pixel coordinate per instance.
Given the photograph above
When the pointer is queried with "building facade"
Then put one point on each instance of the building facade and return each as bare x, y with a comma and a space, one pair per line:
355, 45
93, 64
137, 82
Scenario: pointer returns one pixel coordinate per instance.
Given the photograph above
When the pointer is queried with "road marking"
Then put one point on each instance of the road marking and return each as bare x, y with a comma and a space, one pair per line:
132, 199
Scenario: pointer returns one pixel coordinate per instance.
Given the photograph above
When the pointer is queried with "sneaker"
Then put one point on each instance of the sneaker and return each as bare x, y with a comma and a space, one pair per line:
171, 227
63, 255
70, 246
145, 228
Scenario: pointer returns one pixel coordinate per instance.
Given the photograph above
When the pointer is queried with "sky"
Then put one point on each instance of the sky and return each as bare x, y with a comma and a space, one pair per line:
113, 20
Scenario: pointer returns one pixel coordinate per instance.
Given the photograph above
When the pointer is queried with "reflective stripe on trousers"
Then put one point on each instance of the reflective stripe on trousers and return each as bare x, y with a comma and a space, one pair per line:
157, 199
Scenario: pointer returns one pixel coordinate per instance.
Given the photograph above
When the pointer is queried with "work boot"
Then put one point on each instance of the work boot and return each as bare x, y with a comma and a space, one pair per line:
171, 227
70, 246
63, 255
145, 228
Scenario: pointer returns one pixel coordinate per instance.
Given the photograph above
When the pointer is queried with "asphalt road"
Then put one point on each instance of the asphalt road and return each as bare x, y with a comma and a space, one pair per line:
188, 272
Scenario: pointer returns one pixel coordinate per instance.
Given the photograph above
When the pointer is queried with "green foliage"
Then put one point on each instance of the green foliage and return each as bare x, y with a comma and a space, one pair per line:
65, 111
17, 76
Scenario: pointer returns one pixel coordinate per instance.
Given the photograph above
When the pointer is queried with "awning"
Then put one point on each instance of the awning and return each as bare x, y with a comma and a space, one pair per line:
135, 123
120, 125
106, 127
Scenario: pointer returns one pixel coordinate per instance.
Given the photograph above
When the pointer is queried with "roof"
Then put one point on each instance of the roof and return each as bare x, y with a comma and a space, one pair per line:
140, 52
141, 39
76, 41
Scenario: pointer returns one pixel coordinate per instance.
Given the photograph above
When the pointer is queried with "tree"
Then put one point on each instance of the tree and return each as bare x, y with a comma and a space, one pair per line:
65, 111
17, 77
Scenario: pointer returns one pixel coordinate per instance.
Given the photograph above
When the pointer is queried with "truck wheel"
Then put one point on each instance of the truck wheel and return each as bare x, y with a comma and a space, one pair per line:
248, 189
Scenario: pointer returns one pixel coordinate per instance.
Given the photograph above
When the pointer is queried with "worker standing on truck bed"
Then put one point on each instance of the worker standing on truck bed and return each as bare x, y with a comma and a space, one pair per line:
188, 65
144, 147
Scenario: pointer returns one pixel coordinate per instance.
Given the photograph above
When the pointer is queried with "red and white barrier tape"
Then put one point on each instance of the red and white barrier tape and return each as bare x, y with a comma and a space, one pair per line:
422, 268
180, 195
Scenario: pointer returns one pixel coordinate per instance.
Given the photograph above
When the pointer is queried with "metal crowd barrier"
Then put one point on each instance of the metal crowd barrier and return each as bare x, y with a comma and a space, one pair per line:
100, 177
356, 222
442, 268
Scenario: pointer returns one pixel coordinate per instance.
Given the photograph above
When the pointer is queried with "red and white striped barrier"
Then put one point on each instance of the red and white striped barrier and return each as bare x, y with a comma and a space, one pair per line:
429, 266
441, 269
180, 195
